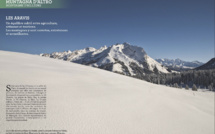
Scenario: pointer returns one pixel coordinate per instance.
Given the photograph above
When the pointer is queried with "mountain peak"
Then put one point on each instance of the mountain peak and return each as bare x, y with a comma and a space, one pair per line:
90, 49
126, 43
123, 58
69, 51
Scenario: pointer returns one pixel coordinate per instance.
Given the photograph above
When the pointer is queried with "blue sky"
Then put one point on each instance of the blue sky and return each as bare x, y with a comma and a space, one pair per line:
164, 28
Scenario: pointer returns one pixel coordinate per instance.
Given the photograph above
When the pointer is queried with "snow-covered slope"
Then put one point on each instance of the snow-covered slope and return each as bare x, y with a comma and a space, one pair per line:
122, 58
86, 100
179, 65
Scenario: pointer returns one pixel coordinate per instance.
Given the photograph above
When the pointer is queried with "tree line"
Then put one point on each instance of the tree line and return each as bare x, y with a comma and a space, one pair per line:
194, 79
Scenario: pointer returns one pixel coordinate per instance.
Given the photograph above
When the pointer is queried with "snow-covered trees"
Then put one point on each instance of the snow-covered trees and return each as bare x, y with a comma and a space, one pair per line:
176, 85
194, 88
201, 78
186, 79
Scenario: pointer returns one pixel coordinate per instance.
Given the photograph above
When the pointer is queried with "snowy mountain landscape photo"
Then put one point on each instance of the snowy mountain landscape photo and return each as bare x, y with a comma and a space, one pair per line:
133, 61
107, 67
117, 89
86, 99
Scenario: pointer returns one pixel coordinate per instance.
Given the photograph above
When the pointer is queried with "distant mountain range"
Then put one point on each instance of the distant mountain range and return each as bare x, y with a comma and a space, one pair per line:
121, 58
128, 60
179, 65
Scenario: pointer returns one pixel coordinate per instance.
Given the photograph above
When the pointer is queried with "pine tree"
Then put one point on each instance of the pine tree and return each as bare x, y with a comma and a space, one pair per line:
194, 88
187, 87
176, 85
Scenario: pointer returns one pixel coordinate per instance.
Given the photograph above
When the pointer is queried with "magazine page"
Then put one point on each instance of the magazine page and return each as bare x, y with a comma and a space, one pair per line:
107, 67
